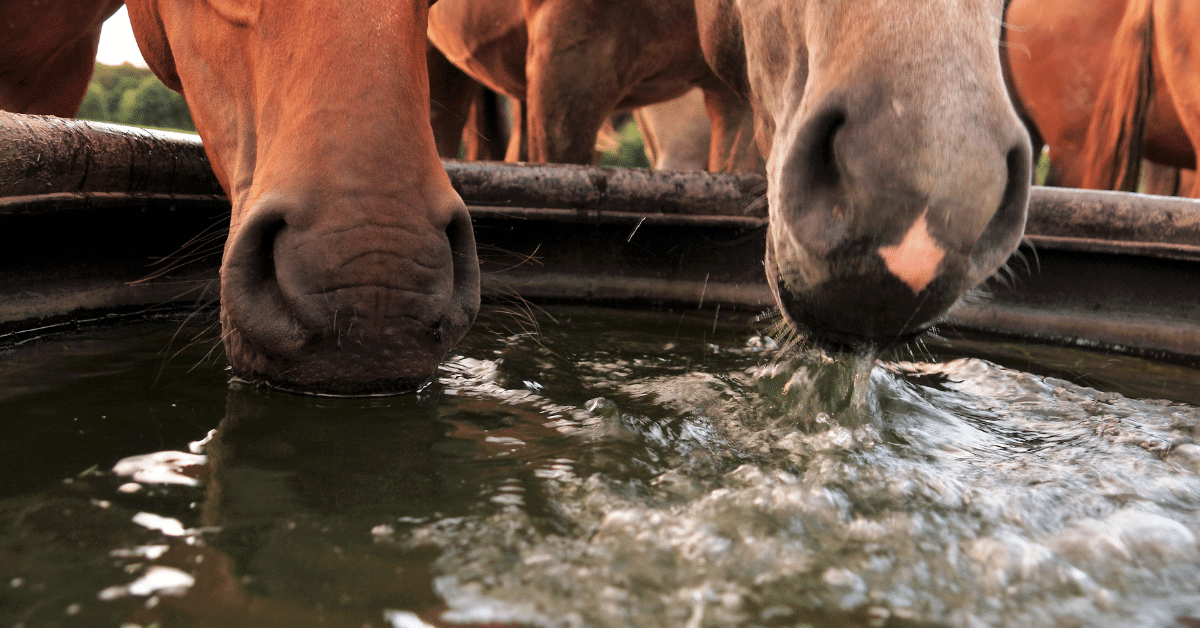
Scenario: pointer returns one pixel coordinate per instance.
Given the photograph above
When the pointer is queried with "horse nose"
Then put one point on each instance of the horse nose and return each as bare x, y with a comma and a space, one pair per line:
317, 299
1007, 226
883, 215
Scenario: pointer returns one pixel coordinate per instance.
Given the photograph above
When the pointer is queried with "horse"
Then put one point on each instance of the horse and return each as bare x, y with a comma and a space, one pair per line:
47, 54
676, 133
1076, 66
539, 53
350, 264
898, 171
464, 114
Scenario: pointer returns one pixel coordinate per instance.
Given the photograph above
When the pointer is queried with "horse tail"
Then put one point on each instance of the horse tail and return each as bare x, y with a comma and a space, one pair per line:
1112, 148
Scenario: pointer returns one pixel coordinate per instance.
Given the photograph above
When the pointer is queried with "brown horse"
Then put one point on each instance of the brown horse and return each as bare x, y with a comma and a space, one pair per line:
464, 113
570, 64
1070, 59
350, 265
47, 53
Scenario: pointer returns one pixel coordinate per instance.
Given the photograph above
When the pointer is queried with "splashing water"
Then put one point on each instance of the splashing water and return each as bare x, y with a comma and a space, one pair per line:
832, 491
614, 470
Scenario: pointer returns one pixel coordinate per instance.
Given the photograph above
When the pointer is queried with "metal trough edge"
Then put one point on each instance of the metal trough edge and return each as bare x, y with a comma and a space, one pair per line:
1106, 269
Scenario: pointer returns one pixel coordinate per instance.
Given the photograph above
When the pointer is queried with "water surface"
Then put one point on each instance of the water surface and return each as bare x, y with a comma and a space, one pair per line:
607, 468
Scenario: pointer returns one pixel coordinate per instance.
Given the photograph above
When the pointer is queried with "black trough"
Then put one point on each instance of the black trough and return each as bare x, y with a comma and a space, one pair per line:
99, 220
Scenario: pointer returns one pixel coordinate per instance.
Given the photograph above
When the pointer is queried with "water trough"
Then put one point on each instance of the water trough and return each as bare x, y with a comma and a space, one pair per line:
664, 464
101, 219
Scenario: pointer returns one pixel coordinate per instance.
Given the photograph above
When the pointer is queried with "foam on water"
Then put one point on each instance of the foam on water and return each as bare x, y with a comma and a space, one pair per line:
814, 489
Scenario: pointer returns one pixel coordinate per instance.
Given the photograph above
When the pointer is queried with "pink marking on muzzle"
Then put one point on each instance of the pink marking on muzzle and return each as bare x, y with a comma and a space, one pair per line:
916, 259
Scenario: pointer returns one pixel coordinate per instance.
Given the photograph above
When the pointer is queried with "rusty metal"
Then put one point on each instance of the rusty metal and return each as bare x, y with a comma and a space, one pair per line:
487, 184
77, 200
1127, 303
1114, 222
1111, 270
52, 164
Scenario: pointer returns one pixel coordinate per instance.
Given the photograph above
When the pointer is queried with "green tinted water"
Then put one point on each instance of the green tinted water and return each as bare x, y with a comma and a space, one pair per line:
615, 469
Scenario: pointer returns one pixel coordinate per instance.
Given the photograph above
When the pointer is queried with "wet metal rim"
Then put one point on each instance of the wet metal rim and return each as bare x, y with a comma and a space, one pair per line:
1107, 269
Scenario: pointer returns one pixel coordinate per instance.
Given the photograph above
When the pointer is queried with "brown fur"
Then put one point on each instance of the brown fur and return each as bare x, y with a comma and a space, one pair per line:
1112, 149
47, 53
570, 64
1059, 57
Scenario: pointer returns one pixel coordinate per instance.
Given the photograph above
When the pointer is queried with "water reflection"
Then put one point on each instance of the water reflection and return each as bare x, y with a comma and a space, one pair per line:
619, 473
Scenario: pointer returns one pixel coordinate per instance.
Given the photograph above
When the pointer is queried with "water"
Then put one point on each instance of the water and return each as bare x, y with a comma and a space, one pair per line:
615, 469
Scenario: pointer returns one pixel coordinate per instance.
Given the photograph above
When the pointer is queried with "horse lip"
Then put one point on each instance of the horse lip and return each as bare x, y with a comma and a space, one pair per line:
844, 320
818, 330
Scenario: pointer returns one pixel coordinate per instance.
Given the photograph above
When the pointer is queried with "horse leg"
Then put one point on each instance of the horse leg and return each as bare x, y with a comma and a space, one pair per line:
451, 93
571, 85
1178, 44
732, 147
649, 130
1159, 179
1187, 179
517, 145
486, 134
1066, 166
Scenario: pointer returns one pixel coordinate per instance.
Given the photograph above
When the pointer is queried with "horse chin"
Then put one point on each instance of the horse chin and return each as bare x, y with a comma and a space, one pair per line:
380, 353
322, 368
856, 306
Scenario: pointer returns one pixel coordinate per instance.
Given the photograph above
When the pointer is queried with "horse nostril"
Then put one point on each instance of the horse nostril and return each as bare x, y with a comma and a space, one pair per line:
461, 236
1003, 232
824, 169
262, 255
249, 265
251, 299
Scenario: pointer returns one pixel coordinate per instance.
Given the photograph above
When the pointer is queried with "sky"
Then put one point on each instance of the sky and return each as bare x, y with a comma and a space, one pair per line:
117, 44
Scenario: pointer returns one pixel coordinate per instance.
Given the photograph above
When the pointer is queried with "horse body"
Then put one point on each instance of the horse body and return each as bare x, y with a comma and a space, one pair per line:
350, 264
1064, 56
572, 63
47, 53
897, 169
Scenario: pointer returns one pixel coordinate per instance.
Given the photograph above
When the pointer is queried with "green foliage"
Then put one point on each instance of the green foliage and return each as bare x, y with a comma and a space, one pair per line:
153, 104
95, 104
1042, 163
630, 151
130, 95
108, 76
123, 86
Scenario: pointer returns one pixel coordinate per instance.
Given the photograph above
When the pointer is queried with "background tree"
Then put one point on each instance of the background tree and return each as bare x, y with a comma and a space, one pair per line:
126, 94
95, 104
153, 104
